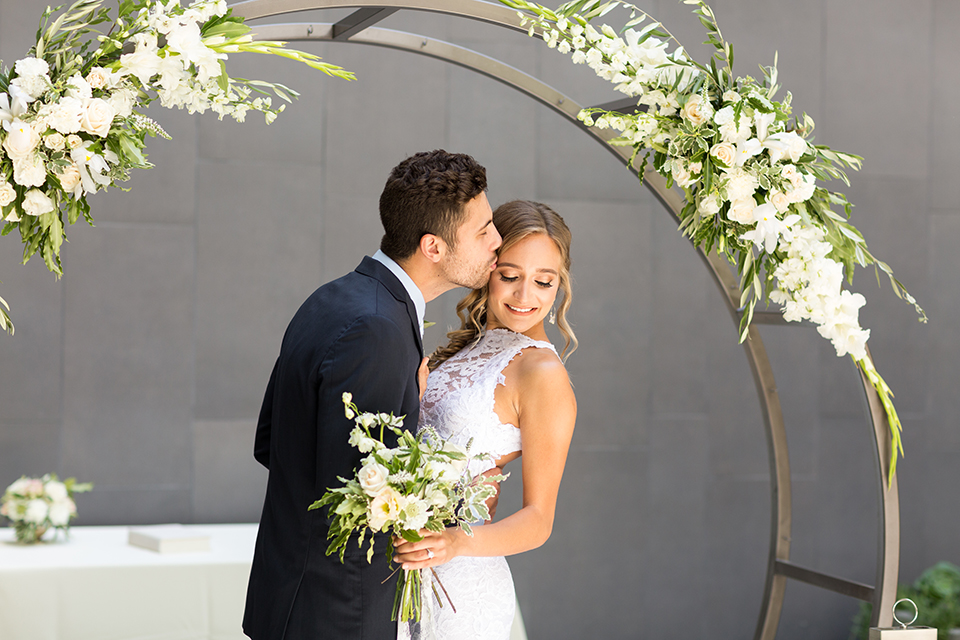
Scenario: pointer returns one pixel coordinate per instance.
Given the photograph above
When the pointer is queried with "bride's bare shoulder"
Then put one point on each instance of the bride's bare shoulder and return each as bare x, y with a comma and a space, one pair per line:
541, 371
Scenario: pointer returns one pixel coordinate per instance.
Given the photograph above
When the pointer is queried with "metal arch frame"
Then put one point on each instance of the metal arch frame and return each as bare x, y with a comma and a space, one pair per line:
358, 28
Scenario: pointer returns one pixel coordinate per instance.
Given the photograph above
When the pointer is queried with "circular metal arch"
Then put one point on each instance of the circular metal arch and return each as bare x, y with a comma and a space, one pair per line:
358, 28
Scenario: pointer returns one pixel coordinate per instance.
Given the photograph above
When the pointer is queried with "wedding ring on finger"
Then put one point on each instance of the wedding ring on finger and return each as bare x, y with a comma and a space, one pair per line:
430, 554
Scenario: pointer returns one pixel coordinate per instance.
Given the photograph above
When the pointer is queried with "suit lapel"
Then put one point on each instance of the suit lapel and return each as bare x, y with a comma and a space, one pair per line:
374, 269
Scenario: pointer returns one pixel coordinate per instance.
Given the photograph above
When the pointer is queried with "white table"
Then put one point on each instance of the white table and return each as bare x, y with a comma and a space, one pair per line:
94, 586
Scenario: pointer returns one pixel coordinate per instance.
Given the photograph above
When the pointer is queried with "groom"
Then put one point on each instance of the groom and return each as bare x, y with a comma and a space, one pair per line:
361, 333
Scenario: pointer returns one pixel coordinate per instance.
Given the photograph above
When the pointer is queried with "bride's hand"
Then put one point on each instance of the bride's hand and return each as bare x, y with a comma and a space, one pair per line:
434, 549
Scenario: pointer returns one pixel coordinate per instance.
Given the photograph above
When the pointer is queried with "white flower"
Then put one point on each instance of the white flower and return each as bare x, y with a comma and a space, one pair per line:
55, 142
74, 141
13, 105
769, 227
70, 180
740, 185
681, 174
710, 205
435, 497
360, 440
100, 78
416, 514
29, 172
56, 490
763, 122
697, 110
779, 200
92, 166
64, 115
746, 149
726, 153
786, 143
36, 511
26, 67
37, 203
97, 117
79, 88
123, 100
143, 62
21, 139
7, 193
385, 508
731, 96
61, 511
742, 210
373, 478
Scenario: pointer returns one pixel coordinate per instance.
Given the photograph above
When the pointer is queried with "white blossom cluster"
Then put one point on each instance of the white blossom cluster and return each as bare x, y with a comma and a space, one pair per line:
759, 177
33, 504
54, 130
809, 288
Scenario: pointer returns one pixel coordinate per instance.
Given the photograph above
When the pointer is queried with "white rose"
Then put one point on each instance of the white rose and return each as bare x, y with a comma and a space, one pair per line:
710, 205
37, 203
56, 490
21, 139
55, 141
74, 141
60, 512
681, 174
36, 511
742, 210
97, 117
779, 200
725, 152
697, 110
64, 116
373, 478
70, 178
100, 78
7, 193
29, 172
731, 96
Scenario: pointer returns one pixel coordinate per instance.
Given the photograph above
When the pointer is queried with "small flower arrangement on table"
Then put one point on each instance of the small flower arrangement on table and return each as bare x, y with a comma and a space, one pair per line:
69, 109
422, 483
36, 505
746, 165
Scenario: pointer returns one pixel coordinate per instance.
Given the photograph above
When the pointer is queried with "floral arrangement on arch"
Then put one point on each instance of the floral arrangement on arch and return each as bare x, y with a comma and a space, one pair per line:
748, 173
36, 505
69, 109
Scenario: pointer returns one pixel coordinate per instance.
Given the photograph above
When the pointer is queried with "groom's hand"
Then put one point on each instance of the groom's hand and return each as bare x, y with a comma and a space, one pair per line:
492, 502
422, 374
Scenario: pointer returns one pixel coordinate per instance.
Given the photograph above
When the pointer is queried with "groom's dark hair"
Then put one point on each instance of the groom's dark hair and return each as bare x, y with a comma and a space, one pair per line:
426, 193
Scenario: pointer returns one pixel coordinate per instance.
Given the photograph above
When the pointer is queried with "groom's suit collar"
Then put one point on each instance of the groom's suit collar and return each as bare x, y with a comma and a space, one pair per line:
378, 271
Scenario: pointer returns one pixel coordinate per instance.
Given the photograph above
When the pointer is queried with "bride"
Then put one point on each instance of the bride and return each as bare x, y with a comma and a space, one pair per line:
501, 383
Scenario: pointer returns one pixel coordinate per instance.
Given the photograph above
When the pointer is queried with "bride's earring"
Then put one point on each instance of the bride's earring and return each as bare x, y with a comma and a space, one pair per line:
553, 316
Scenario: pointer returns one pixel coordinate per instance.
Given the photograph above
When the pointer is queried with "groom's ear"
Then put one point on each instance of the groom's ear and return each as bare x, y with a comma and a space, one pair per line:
433, 247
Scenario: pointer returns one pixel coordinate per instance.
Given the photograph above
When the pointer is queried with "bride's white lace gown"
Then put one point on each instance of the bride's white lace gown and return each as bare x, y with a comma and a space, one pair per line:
459, 403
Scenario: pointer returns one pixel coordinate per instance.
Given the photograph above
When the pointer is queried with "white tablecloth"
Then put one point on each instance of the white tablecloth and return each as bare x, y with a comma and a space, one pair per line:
94, 586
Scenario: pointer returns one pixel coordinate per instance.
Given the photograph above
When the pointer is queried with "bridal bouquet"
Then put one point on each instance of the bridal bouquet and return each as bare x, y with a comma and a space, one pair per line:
423, 483
746, 165
70, 125
35, 505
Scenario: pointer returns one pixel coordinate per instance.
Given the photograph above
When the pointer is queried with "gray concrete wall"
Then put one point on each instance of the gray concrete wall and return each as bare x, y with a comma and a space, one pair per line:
143, 368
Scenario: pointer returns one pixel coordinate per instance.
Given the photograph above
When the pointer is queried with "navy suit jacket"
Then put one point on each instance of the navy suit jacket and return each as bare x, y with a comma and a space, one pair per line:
359, 334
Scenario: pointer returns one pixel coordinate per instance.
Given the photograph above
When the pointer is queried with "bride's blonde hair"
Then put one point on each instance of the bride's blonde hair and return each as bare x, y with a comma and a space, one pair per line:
515, 221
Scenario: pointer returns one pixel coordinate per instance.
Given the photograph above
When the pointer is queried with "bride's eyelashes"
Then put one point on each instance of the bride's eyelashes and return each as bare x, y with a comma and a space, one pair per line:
544, 285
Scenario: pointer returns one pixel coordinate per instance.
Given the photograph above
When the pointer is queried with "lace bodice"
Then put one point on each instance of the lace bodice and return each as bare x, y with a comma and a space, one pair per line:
459, 399
459, 404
